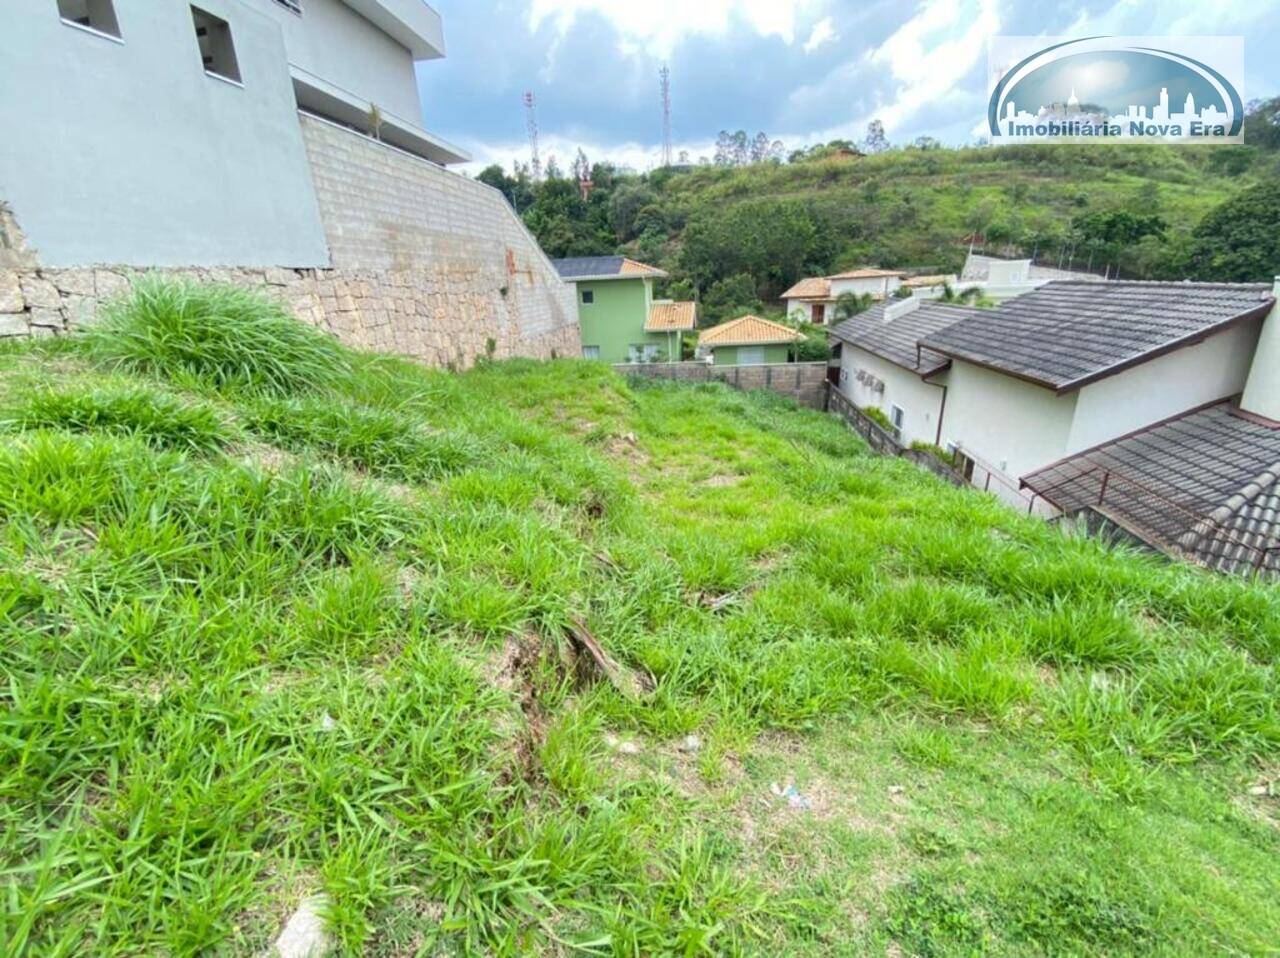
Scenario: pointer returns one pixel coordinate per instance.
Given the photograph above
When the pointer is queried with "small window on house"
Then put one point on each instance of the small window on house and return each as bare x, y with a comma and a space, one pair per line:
96, 15
898, 418
217, 49
588, 297
590, 352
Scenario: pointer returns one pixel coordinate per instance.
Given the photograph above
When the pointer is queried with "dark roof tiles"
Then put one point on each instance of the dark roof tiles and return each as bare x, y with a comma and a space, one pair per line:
895, 339
1205, 484
1069, 333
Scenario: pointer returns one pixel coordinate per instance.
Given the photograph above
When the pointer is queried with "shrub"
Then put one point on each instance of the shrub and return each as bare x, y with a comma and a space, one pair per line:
220, 335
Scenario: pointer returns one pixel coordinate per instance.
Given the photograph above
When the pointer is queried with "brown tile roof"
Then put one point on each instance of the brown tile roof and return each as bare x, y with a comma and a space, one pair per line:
867, 273
666, 316
916, 282
748, 331
631, 267
896, 339
814, 287
1070, 333
1204, 485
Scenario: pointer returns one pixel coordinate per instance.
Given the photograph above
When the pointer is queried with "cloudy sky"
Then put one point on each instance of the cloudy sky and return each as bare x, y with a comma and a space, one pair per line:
802, 70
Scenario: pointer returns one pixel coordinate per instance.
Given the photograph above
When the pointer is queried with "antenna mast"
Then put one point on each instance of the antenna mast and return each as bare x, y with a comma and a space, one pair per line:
531, 119
664, 76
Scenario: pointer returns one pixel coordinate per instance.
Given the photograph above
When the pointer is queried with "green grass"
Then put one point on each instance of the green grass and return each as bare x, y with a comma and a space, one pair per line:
268, 635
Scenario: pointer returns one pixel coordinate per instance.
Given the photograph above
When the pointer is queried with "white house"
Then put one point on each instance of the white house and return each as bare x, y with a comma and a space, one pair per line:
1076, 364
1001, 279
813, 299
882, 365
1203, 484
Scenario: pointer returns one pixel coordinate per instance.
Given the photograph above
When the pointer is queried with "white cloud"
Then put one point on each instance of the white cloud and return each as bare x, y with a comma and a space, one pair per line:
933, 52
823, 32
657, 26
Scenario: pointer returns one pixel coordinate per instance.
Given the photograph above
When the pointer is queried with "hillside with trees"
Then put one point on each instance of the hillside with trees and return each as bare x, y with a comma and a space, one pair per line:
737, 229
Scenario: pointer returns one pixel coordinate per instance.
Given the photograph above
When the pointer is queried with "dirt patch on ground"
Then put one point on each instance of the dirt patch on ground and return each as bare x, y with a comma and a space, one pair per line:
264, 456
626, 448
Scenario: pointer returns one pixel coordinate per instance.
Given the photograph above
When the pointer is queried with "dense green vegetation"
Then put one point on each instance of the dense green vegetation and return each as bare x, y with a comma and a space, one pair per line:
736, 236
312, 626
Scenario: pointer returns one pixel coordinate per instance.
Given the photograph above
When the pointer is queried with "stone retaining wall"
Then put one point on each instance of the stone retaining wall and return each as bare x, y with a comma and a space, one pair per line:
804, 382
427, 264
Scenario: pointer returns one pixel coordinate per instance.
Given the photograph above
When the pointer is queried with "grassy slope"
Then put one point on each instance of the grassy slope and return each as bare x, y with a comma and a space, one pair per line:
912, 207
266, 642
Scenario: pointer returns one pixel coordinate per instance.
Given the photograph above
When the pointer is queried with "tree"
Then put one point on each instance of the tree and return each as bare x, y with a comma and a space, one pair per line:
774, 241
581, 168
1240, 240
732, 149
1108, 234
849, 305
1262, 124
518, 189
760, 147
728, 298
876, 141
628, 199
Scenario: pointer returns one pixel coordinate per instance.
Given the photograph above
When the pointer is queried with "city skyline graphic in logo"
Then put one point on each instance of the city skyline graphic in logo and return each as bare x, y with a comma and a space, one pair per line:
1116, 89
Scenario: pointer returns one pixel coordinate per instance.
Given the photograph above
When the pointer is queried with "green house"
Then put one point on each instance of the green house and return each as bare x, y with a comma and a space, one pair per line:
748, 341
620, 320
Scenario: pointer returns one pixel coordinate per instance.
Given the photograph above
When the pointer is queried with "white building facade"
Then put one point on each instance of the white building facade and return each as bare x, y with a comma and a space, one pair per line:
1009, 413
166, 133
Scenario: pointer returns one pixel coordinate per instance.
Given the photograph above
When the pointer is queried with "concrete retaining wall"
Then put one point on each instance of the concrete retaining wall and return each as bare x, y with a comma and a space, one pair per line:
426, 264
804, 382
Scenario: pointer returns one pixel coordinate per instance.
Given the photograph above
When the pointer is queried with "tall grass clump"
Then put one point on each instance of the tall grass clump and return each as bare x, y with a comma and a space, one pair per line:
217, 335
161, 421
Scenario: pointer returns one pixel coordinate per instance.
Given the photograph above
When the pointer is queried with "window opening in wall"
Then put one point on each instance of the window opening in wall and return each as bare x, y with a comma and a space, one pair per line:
217, 49
898, 418
588, 297
96, 15
590, 352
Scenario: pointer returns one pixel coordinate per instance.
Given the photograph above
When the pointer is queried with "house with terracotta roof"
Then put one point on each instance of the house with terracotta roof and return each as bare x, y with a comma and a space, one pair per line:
620, 320
747, 341
813, 300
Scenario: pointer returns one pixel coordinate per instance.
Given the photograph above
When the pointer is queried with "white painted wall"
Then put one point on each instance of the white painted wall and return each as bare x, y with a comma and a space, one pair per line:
333, 42
881, 286
126, 152
1215, 369
806, 311
920, 401
1015, 426
1262, 394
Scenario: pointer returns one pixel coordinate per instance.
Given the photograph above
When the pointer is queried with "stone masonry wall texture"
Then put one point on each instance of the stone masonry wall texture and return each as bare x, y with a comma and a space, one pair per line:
425, 264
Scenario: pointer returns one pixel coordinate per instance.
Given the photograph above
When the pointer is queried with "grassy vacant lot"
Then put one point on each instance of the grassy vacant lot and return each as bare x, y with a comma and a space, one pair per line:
279, 620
